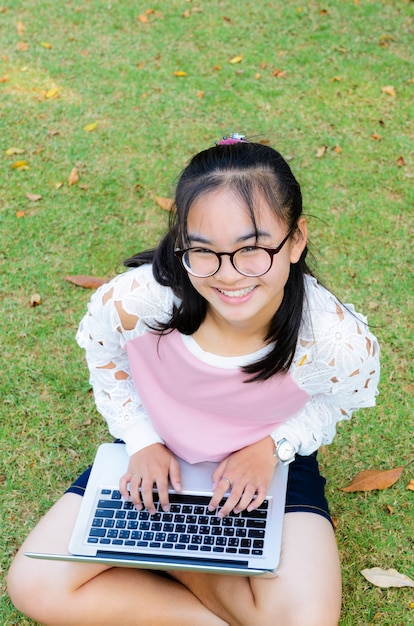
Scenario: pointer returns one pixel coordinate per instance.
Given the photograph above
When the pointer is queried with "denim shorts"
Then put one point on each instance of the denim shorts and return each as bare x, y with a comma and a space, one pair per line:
305, 488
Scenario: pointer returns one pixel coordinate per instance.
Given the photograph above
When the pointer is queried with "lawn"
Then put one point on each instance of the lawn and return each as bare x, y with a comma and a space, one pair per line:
123, 93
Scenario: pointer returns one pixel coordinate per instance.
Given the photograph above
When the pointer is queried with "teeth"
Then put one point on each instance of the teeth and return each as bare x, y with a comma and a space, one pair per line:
238, 293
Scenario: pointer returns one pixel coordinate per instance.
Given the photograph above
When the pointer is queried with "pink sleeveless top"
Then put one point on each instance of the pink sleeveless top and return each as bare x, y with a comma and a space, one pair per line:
201, 411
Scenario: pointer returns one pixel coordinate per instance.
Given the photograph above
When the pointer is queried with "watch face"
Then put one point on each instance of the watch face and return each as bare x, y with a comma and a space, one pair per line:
285, 450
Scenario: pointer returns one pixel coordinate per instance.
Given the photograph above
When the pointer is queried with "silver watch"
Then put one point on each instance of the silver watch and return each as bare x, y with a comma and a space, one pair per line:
285, 451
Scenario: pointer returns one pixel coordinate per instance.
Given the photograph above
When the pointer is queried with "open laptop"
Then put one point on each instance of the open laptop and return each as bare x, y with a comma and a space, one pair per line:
110, 530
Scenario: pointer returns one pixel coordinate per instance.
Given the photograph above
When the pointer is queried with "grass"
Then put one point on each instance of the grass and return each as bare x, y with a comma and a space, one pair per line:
312, 76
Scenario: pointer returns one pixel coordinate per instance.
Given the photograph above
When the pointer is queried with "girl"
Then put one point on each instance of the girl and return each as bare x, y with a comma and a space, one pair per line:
217, 345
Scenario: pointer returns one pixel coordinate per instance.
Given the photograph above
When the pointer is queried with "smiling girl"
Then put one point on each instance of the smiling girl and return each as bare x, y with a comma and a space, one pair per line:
217, 345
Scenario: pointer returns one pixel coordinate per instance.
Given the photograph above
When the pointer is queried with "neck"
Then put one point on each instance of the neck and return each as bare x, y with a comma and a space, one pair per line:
220, 337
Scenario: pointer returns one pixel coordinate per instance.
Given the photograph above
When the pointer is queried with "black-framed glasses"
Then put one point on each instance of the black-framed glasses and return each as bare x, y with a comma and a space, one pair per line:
249, 260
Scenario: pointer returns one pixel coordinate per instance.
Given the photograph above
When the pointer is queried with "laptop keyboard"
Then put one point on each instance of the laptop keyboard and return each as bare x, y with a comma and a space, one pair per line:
187, 527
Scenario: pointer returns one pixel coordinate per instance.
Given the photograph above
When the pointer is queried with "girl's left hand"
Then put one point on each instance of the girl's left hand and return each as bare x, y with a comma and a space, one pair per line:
247, 474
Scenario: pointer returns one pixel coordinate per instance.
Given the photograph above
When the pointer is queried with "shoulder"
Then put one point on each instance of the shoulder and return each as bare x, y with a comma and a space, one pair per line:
138, 294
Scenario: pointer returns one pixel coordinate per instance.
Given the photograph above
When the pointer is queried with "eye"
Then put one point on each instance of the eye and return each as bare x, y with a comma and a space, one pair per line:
201, 251
248, 250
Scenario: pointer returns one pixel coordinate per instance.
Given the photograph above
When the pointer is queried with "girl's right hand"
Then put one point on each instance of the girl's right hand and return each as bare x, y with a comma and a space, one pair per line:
152, 465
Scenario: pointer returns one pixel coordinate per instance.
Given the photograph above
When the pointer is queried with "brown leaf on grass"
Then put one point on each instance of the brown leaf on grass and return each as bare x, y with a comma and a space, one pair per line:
33, 197
179, 73
401, 161
237, 59
12, 151
4, 79
73, 177
46, 44
22, 46
20, 165
321, 151
143, 18
368, 480
35, 299
87, 282
389, 90
410, 485
386, 578
20, 28
165, 203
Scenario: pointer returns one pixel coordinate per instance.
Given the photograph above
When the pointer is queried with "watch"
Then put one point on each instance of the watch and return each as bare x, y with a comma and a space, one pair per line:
285, 451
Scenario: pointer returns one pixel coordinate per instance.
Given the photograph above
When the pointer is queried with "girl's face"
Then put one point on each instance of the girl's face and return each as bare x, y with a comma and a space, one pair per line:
220, 222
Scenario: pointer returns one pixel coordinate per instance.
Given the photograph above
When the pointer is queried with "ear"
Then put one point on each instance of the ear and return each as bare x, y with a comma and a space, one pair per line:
299, 240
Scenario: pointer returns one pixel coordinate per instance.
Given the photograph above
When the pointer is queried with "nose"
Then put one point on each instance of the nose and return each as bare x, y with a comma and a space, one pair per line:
227, 272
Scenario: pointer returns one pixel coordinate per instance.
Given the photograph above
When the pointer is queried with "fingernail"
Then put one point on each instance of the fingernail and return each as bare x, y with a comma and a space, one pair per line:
166, 508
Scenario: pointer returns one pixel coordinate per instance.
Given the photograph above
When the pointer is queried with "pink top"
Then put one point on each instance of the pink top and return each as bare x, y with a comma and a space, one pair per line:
204, 412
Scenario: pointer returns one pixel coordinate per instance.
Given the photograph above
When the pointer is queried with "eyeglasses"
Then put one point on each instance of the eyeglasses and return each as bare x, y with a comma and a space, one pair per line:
249, 260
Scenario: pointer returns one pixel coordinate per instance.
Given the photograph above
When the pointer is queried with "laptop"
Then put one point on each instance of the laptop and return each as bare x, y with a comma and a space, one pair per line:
110, 530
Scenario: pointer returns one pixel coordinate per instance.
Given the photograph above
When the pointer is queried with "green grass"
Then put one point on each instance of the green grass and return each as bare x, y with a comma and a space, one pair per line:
112, 69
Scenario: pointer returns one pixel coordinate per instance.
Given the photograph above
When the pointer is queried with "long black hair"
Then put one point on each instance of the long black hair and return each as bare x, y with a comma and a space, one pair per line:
251, 171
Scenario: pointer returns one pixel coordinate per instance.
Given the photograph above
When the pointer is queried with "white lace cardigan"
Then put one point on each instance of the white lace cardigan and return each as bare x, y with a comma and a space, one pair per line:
336, 361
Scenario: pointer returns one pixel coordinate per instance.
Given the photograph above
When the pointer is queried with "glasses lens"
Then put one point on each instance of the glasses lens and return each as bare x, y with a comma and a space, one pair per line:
201, 262
252, 261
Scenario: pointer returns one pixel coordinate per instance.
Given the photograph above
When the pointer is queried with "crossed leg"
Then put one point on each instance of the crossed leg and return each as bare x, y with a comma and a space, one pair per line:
306, 592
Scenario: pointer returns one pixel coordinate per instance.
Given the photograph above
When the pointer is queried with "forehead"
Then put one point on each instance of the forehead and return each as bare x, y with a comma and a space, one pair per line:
224, 210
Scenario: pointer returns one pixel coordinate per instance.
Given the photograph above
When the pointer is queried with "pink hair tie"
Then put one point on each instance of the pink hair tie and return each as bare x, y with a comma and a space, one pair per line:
228, 141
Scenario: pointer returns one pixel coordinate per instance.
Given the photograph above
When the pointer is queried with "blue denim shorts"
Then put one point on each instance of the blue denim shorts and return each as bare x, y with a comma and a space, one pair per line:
305, 488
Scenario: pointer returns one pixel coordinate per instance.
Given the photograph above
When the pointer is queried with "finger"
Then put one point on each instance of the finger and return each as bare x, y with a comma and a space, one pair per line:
162, 487
175, 475
147, 495
123, 485
247, 499
134, 490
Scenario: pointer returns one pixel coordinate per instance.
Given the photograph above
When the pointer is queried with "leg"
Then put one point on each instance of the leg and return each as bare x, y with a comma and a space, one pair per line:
306, 592
65, 593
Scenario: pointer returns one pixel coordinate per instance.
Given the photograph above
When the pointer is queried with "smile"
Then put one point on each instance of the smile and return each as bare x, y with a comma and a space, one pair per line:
239, 293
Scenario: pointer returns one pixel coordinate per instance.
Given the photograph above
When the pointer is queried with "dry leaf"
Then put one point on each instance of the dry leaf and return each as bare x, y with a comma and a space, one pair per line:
321, 151
33, 197
90, 127
143, 19
19, 214
164, 203
20, 28
88, 282
35, 299
20, 165
390, 509
200, 94
52, 94
386, 578
12, 151
367, 480
279, 73
237, 59
73, 177
179, 73
376, 137
400, 161
22, 46
338, 149
4, 79
410, 485
389, 90
46, 45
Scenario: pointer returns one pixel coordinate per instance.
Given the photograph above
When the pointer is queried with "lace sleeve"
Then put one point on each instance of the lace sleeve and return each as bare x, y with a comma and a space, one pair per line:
120, 310
337, 363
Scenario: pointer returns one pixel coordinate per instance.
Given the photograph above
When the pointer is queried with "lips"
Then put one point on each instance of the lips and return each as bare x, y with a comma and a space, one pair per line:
237, 293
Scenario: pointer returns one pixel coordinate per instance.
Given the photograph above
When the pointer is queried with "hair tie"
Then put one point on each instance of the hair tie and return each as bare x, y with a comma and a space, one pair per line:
228, 141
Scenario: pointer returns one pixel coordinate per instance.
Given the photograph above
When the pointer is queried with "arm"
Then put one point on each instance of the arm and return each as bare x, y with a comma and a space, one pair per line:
337, 363
119, 311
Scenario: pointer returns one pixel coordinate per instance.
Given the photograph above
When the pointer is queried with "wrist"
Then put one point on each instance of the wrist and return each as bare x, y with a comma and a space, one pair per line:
284, 450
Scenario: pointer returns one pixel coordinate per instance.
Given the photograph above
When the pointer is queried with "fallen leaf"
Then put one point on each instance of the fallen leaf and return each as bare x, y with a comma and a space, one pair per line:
179, 73
216, 68
33, 197
35, 299
237, 59
20, 28
389, 90
410, 485
87, 282
53, 93
143, 19
46, 45
19, 165
338, 149
164, 203
321, 151
58, 185
12, 151
336, 79
387, 578
400, 161
376, 137
279, 73
73, 177
22, 46
200, 94
4, 79
390, 509
90, 127
19, 214
367, 480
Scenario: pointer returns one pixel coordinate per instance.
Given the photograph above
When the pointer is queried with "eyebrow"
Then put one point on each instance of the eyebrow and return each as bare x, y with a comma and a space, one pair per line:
256, 235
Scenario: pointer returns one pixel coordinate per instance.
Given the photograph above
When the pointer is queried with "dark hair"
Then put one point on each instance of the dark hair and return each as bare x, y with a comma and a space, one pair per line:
250, 170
